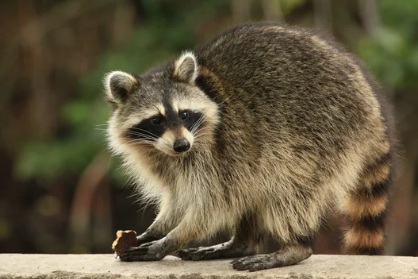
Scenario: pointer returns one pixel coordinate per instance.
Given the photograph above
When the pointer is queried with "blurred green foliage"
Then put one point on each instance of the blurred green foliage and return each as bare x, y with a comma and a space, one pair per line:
392, 54
288, 6
54, 106
164, 36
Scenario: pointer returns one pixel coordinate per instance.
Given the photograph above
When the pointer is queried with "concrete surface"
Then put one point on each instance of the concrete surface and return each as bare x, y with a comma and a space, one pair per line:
106, 266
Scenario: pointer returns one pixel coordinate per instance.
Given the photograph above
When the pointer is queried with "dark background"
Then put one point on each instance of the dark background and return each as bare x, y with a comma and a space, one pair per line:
61, 192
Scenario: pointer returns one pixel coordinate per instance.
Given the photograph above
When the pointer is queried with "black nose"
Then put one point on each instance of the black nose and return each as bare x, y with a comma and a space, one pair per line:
181, 145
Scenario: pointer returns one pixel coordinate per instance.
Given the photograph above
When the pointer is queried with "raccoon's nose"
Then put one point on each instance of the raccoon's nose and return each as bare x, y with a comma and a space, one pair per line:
181, 145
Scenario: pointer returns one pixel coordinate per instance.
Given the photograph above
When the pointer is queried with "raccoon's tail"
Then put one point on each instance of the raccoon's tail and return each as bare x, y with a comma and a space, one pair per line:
366, 208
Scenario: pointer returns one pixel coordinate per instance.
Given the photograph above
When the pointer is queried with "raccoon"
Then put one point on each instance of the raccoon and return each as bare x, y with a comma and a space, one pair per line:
260, 132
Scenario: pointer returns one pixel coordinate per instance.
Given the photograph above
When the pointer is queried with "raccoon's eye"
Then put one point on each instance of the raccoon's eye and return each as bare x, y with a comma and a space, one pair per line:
157, 120
184, 114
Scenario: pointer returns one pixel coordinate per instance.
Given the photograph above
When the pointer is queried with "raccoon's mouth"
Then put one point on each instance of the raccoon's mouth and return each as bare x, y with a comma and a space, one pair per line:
178, 148
172, 153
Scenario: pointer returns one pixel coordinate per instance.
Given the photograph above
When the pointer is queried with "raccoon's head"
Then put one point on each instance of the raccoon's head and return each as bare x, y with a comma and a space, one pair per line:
162, 110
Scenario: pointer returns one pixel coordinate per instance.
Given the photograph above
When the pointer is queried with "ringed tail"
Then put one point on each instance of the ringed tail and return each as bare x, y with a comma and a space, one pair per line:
366, 208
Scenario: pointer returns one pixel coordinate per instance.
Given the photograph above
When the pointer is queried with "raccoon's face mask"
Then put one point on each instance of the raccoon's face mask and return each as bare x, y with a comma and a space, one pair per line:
160, 110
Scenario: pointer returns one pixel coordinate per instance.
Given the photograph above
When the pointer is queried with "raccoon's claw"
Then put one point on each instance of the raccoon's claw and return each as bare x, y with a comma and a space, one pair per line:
254, 263
147, 244
197, 254
151, 251
221, 251
288, 256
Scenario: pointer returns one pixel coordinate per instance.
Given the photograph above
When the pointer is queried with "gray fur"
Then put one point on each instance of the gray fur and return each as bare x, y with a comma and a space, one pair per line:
290, 124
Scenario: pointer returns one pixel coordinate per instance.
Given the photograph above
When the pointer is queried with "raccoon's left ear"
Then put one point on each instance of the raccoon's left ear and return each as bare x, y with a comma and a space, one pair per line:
185, 68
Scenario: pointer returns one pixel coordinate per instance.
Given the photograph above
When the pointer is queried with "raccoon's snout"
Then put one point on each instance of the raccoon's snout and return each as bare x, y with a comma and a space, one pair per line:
181, 145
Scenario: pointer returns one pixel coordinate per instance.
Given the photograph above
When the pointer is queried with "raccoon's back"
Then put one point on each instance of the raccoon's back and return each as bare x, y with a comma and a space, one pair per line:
254, 55
291, 76
269, 62
292, 91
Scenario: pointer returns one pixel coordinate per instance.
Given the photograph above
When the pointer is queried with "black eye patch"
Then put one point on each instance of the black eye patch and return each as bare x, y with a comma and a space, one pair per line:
192, 118
149, 129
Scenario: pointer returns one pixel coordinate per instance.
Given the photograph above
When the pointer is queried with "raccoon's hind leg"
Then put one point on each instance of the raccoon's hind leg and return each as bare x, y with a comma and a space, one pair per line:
290, 254
241, 244
366, 208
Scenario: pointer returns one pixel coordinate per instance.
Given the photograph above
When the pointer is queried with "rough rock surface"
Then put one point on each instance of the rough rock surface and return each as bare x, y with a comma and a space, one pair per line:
106, 266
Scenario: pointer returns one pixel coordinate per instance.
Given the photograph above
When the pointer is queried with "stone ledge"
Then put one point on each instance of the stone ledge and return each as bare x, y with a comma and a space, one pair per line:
106, 266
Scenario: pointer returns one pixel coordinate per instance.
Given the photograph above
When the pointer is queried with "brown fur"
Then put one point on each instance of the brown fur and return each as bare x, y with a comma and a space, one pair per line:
291, 126
366, 209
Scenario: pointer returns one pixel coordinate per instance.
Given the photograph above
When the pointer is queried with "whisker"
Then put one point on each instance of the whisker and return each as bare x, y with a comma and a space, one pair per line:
147, 142
139, 133
197, 124
197, 137
136, 129
142, 133
142, 136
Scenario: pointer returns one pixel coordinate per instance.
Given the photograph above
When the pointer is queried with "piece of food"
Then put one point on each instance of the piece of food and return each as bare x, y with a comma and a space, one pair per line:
124, 240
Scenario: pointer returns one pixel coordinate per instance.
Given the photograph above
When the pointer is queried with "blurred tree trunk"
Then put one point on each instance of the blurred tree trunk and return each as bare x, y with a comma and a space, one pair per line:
403, 219
241, 10
322, 14
369, 15
39, 64
91, 193
123, 23
47, 47
272, 10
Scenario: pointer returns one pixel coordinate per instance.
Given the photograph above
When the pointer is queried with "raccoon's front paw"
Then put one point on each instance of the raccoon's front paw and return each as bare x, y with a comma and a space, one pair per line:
150, 251
230, 249
197, 254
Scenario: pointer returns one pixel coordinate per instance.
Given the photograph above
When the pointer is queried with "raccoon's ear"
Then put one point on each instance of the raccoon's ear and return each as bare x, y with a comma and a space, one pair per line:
185, 68
119, 85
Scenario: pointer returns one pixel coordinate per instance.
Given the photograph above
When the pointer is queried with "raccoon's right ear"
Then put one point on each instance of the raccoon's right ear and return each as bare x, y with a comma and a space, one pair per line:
119, 85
